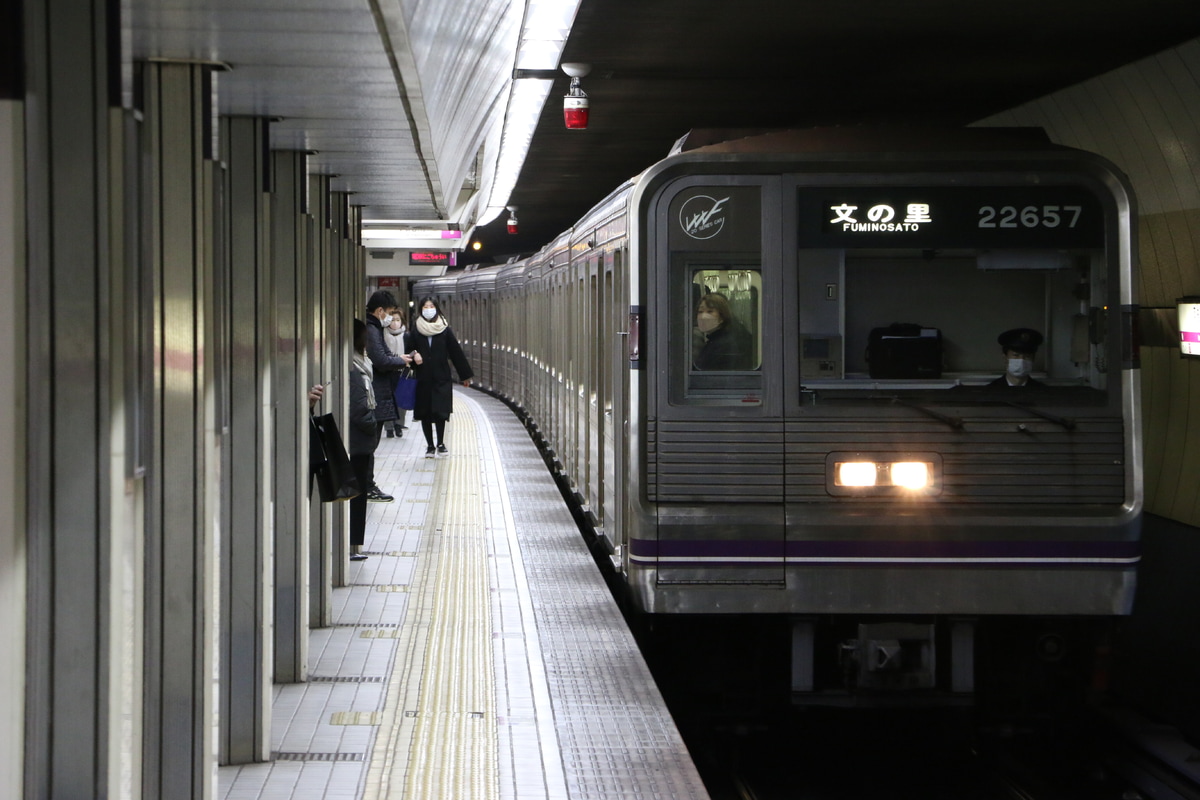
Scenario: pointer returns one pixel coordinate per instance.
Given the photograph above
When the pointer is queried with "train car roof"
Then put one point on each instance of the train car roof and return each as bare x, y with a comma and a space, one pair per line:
863, 139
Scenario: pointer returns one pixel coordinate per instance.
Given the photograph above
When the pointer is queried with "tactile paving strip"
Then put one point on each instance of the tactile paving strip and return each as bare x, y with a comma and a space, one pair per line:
437, 736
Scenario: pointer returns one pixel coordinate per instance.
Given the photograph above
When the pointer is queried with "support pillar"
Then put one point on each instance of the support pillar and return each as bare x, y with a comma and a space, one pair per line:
246, 408
182, 487
66, 533
293, 331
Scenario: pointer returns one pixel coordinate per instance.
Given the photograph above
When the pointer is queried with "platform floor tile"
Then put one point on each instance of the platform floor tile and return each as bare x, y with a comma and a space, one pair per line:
476, 653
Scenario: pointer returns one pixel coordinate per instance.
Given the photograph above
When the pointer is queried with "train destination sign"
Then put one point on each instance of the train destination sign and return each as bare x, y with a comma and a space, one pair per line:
943, 216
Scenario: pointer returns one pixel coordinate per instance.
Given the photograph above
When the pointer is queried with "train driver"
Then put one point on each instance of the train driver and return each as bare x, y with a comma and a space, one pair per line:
1020, 346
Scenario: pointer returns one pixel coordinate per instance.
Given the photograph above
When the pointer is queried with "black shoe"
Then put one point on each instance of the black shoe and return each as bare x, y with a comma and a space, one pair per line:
390, 434
376, 496
442, 450
358, 557
429, 452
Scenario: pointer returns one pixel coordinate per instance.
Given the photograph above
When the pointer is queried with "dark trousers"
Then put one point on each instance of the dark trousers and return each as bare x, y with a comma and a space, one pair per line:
364, 473
378, 436
427, 427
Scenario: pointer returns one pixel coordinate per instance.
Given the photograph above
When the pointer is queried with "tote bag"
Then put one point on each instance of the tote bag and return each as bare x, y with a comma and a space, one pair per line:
329, 462
405, 393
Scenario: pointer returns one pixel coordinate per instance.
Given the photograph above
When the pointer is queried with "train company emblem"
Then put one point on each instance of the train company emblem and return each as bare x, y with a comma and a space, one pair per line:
702, 217
880, 218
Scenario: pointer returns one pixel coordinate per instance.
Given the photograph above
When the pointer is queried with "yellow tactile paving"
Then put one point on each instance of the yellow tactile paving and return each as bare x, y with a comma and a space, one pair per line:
437, 738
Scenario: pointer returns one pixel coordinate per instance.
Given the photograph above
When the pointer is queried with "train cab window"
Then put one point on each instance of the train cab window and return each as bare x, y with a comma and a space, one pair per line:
722, 313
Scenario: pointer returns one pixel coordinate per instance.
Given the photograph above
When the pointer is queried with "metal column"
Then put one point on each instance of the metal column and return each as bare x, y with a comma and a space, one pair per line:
181, 496
289, 266
12, 458
67, 536
329, 520
246, 444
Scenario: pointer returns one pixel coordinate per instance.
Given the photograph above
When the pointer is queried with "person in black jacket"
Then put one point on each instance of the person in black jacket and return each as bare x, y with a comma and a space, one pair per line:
364, 437
433, 347
364, 434
381, 306
725, 343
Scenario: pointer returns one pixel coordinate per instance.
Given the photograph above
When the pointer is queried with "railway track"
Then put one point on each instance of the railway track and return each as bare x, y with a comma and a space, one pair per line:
942, 756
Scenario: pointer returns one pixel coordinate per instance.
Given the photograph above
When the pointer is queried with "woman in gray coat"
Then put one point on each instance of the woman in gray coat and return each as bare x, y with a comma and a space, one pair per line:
434, 347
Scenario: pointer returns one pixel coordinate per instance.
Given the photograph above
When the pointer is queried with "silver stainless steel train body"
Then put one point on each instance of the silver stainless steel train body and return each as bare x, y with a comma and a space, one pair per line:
819, 460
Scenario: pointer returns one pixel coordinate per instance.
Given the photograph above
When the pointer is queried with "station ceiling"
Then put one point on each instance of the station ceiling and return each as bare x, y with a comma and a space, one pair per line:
662, 68
337, 76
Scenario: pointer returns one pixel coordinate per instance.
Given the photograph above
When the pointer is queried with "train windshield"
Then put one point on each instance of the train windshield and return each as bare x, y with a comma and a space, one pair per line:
956, 293
1001, 325
929, 320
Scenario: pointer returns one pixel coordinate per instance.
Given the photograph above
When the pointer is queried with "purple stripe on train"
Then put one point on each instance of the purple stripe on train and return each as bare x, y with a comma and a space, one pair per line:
856, 551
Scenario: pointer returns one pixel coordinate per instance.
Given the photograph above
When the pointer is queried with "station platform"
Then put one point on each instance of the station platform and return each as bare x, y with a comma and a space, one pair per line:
477, 653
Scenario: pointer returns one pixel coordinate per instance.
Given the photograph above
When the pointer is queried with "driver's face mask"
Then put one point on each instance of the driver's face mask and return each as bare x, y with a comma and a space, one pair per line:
1020, 367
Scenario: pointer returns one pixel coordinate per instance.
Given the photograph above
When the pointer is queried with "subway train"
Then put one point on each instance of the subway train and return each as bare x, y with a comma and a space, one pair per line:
774, 373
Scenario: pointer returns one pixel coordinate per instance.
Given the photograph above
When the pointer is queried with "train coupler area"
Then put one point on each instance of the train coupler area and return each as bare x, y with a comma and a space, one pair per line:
889, 656
848, 662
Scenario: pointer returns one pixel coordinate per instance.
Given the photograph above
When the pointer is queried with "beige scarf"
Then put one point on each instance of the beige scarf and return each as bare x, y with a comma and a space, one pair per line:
427, 328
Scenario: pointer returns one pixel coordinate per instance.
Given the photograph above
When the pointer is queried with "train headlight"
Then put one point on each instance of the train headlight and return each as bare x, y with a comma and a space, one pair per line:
883, 474
856, 473
910, 474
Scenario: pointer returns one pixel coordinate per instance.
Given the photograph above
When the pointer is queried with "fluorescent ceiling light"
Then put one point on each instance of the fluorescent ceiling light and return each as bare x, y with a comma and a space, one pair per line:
409, 233
543, 35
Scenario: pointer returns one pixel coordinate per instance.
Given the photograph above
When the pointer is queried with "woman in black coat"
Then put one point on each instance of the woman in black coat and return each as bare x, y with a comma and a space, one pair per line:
434, 347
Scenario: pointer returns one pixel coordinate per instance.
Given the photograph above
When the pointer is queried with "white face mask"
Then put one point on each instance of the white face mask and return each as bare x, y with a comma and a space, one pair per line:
429, 313
708, 321
387, 320
1020, 367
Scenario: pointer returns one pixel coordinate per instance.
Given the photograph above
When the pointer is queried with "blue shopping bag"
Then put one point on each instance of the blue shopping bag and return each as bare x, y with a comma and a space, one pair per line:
405, 393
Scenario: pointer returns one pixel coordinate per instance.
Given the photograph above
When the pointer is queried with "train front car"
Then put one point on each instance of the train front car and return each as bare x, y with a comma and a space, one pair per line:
828, 426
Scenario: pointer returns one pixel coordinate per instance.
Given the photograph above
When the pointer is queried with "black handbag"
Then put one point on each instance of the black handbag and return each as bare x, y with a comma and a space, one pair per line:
405, 393
329, 462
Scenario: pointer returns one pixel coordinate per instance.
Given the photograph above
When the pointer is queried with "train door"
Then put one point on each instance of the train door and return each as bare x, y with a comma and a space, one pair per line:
714, 431
615, 394
592, 366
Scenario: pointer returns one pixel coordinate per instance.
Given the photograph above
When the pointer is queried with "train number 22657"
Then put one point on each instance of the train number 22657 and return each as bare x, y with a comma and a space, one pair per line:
1029, 216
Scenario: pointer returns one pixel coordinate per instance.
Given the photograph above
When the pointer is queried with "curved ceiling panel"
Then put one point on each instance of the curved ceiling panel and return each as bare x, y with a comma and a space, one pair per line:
394, 97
